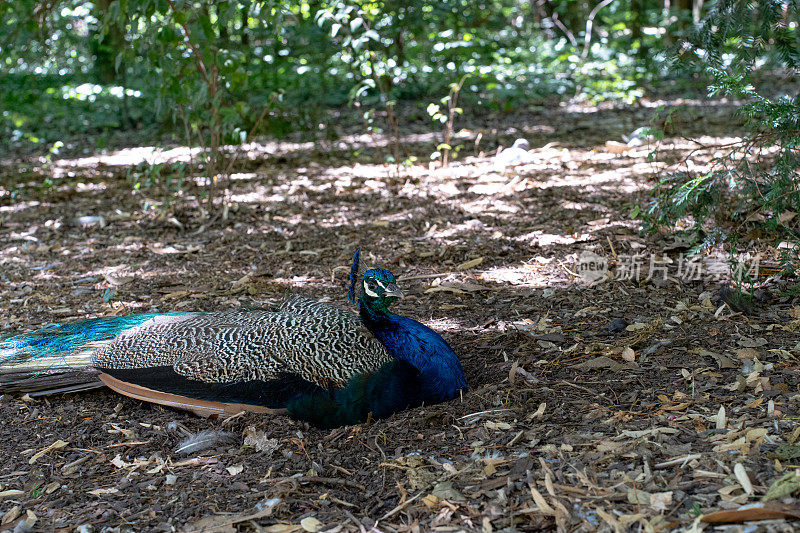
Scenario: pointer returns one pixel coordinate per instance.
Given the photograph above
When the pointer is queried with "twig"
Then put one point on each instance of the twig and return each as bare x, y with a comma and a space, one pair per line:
678, 461
399, 508
573, 41
188, 35
424, 276
488, 411
319, 480
589, 22
584, 389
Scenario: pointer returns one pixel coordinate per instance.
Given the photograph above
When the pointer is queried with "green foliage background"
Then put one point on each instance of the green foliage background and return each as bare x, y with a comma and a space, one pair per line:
76, 67
216, 73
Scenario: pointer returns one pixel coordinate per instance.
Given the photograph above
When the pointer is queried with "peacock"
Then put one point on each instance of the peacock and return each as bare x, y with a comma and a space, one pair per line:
312, 360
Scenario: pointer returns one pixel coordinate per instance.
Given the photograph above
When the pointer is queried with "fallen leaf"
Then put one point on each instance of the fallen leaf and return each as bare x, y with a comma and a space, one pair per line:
541, 503
784, 486
603, 361
752, 512
751, 343
104, 492
660, 501
742, 478
311, 524
262, 509
746, 353
617, 147
470, 264
638, 497
445, 491
258, 439
723, 361
628, 354
722, 420
56, 445
282, 528
11, 515
497, 425
431, 501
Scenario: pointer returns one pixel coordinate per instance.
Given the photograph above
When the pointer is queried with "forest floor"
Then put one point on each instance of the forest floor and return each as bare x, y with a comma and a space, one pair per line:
640, 402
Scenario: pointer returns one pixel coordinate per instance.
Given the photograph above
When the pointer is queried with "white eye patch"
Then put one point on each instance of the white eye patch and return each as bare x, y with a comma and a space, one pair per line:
369, 290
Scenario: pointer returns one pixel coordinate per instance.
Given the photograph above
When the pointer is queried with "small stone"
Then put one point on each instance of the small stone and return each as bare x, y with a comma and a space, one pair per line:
617, 325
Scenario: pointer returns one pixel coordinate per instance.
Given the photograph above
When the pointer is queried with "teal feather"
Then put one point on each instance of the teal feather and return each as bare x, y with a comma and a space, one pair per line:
58, 339
58, 358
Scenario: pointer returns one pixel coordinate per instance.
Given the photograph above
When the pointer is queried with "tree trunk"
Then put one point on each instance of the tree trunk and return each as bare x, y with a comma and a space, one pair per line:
637, 19
106, 46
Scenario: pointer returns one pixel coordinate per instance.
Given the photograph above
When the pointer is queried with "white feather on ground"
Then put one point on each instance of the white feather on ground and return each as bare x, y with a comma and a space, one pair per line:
208, 438
517, 154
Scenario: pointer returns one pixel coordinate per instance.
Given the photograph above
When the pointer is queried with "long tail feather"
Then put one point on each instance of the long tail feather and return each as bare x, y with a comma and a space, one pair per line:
60, 356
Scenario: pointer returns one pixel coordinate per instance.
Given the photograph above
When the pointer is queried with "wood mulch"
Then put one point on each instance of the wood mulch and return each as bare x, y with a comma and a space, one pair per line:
640, 402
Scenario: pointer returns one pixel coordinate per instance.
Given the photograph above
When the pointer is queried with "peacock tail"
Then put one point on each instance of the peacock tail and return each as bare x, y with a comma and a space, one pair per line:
317, 342
60, 356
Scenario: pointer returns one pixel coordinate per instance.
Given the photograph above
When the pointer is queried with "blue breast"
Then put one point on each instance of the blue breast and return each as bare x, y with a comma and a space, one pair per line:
408, 340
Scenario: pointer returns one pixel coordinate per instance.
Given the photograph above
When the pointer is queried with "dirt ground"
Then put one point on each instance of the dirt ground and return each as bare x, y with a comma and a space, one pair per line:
633, 403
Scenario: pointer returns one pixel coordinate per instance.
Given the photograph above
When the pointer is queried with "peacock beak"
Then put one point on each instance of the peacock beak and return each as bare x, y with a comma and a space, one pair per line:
392, 291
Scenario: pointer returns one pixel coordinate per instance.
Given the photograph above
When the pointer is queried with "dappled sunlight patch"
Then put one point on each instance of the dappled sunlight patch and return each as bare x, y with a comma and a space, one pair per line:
131, 157
260, 195
18, 207
243, 176
472, 225
446, 189
498, 186
490, 205
527, 275
296, 281
544, 239
90, 187
443, 324
606, 181
603, 225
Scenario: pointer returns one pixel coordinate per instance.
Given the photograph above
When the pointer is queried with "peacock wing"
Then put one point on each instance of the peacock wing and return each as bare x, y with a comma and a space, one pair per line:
322, 344
327, 345
318, 346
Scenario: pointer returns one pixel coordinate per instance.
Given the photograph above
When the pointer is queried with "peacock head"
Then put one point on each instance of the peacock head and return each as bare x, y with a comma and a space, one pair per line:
379, 288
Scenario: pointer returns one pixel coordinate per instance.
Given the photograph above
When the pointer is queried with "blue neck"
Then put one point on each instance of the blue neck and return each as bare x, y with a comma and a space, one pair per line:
408, 340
